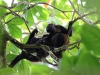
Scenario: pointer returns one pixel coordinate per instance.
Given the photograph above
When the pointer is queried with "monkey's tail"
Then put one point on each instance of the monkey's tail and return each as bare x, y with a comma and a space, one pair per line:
16, 60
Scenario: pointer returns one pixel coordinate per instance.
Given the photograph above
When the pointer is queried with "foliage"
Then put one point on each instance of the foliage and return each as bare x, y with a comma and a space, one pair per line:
26, 13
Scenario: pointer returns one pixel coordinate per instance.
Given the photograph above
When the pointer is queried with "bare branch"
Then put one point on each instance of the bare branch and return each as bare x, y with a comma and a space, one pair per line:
48, 5
80, 14
12, 2
65, 47
96, 22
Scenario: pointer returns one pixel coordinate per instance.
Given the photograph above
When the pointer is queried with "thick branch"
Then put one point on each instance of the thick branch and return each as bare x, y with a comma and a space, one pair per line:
66, 47
24, 46
18, 44
44, 47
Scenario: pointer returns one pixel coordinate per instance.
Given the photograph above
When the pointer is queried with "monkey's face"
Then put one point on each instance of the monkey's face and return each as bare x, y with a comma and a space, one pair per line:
51, 28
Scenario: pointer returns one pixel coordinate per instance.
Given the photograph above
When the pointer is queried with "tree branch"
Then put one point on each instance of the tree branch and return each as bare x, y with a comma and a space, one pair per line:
48, 5
79, 13
15, 14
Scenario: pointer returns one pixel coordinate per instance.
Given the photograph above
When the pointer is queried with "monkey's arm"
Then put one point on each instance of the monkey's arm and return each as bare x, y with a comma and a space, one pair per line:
32, 35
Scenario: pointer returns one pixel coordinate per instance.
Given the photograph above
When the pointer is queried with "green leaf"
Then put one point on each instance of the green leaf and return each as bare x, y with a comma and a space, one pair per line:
92, 3
17, 21
2, 10
35, 0
9, 17
10, 57
19, 7
61, 15
90, 37
8, 71
23, 68
67, 63
12, 48
40, 13
87, 63
67, 66
15, 31
84, 62
25, 39
29, 17
55, 20
38, 69
27, 0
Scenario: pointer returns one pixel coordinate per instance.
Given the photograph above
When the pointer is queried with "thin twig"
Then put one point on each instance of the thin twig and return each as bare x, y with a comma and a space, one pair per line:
15, 14
73, 16
10, 20
85, 20
96, 22
12, 2
48, 5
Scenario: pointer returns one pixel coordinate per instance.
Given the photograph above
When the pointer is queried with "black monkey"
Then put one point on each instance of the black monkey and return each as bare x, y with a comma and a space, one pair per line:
62, 37
56, 38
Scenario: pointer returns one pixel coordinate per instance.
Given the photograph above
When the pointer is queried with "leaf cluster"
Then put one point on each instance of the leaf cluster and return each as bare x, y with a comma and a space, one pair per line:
22, 17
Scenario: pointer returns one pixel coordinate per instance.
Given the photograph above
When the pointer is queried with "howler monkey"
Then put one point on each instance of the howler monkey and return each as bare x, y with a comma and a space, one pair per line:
58, 36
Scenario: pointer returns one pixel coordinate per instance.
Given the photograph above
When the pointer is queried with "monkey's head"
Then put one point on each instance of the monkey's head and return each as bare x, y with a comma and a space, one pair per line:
51, 28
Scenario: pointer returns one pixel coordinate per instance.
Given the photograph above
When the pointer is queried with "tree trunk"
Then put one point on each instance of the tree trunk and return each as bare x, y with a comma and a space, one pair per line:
2, 46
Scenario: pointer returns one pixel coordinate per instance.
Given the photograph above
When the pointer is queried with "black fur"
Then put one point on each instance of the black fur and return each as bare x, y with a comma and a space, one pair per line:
55, 39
